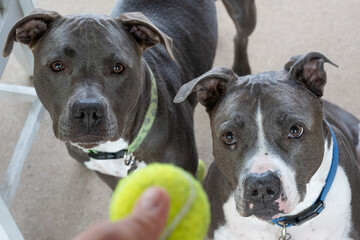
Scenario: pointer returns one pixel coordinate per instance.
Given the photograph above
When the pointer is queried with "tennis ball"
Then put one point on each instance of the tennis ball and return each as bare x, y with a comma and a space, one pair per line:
189, 213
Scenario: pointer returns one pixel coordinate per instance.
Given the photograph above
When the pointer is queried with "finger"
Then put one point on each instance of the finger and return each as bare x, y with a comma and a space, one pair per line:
147, 220
149, 216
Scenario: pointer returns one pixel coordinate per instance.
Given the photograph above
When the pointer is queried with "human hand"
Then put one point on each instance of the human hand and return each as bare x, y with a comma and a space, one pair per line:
147, 220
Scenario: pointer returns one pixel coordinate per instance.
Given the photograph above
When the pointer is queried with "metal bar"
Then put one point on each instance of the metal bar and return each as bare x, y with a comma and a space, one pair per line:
24, 57
13, 173
11, 12
8, 227
21, 51
17, 92
14, 10
27, 6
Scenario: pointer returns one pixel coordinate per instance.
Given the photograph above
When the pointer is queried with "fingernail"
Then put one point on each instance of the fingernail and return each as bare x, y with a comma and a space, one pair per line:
151, 200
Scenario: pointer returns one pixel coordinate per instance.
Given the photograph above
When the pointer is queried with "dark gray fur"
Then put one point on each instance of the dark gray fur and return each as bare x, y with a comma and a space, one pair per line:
243, 14
90, 45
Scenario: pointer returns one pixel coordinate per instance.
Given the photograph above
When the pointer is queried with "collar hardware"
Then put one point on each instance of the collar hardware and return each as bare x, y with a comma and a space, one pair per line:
128, 158
302, 217
284, 234
319, 205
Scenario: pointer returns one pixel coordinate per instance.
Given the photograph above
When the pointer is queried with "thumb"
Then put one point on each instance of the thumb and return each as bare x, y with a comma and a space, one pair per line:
147, 221
149, 216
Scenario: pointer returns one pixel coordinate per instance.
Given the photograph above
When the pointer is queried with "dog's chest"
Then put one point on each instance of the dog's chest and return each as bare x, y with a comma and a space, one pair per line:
115, 167
333, 223
237, 227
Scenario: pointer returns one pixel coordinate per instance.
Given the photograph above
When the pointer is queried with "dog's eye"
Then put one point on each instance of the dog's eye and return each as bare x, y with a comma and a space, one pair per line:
118, 68
296, 131
57, 66
229, 138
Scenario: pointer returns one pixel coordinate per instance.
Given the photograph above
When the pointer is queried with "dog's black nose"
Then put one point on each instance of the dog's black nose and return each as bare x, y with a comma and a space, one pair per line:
88, 111
262, 188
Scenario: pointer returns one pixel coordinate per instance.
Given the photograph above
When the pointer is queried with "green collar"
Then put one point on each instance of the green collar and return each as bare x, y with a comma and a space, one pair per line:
149, 117
144, 130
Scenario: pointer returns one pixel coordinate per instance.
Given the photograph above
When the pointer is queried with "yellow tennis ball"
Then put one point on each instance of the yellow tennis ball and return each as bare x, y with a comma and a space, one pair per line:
189, 213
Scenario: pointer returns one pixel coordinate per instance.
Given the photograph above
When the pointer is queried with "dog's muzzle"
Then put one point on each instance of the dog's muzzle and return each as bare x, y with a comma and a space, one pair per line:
260, 195
87, 113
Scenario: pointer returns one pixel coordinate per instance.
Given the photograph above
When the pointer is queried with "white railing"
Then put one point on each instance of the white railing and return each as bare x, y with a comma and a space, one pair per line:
10, 12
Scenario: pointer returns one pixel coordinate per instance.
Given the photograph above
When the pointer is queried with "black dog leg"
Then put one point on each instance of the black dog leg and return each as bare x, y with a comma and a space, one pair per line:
243, 13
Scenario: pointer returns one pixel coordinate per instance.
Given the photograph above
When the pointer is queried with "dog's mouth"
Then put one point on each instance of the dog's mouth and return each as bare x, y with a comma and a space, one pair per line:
88, 141
262, 211
266, 214
88, 138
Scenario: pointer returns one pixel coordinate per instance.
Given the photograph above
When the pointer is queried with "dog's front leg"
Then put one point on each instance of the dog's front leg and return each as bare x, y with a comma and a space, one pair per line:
243, 14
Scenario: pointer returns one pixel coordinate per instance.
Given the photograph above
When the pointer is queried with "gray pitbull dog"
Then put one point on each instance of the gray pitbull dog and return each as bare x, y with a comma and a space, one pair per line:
93, 74
282, 155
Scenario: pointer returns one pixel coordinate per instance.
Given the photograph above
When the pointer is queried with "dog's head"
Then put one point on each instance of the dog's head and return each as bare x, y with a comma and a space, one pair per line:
89, 72
267, 133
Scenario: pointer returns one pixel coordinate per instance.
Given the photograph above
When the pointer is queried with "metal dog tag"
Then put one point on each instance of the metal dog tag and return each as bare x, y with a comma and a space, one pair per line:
284, 234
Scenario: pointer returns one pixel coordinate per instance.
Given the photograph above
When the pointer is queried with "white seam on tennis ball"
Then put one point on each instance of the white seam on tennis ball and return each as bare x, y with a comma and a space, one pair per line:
192, 195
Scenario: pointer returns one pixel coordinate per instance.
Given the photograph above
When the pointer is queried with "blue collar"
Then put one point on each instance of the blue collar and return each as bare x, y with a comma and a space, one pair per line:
318, 205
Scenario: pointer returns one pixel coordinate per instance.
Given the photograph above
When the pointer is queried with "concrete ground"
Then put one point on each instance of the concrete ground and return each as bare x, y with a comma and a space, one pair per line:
57, 198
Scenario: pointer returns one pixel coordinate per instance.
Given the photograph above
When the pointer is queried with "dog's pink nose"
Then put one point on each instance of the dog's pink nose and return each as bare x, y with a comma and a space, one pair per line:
88, 112
262, 188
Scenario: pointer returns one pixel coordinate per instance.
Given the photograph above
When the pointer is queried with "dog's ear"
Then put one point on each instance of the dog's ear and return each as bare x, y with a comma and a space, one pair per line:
145, 33
29, 29
308, 69
209, 87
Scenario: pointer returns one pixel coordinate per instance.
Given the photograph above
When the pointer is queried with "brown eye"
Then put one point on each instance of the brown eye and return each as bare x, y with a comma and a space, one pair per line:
118, 68
57, 66
229, 138
296, 131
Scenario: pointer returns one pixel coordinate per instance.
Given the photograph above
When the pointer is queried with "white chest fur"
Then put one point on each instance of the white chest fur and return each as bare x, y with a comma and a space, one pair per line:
116, 167
333, 223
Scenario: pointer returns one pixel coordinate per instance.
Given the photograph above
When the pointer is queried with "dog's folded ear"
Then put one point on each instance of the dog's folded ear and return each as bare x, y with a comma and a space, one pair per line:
29, 29
145, 33
308, 70
209, 87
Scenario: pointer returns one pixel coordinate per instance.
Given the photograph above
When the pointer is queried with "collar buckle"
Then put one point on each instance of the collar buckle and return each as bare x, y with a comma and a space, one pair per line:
106, 155
310, 213
302, 217
129, 159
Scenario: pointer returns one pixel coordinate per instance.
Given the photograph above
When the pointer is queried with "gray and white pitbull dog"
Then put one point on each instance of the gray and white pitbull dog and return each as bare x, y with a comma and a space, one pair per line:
92, 75
273, 150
